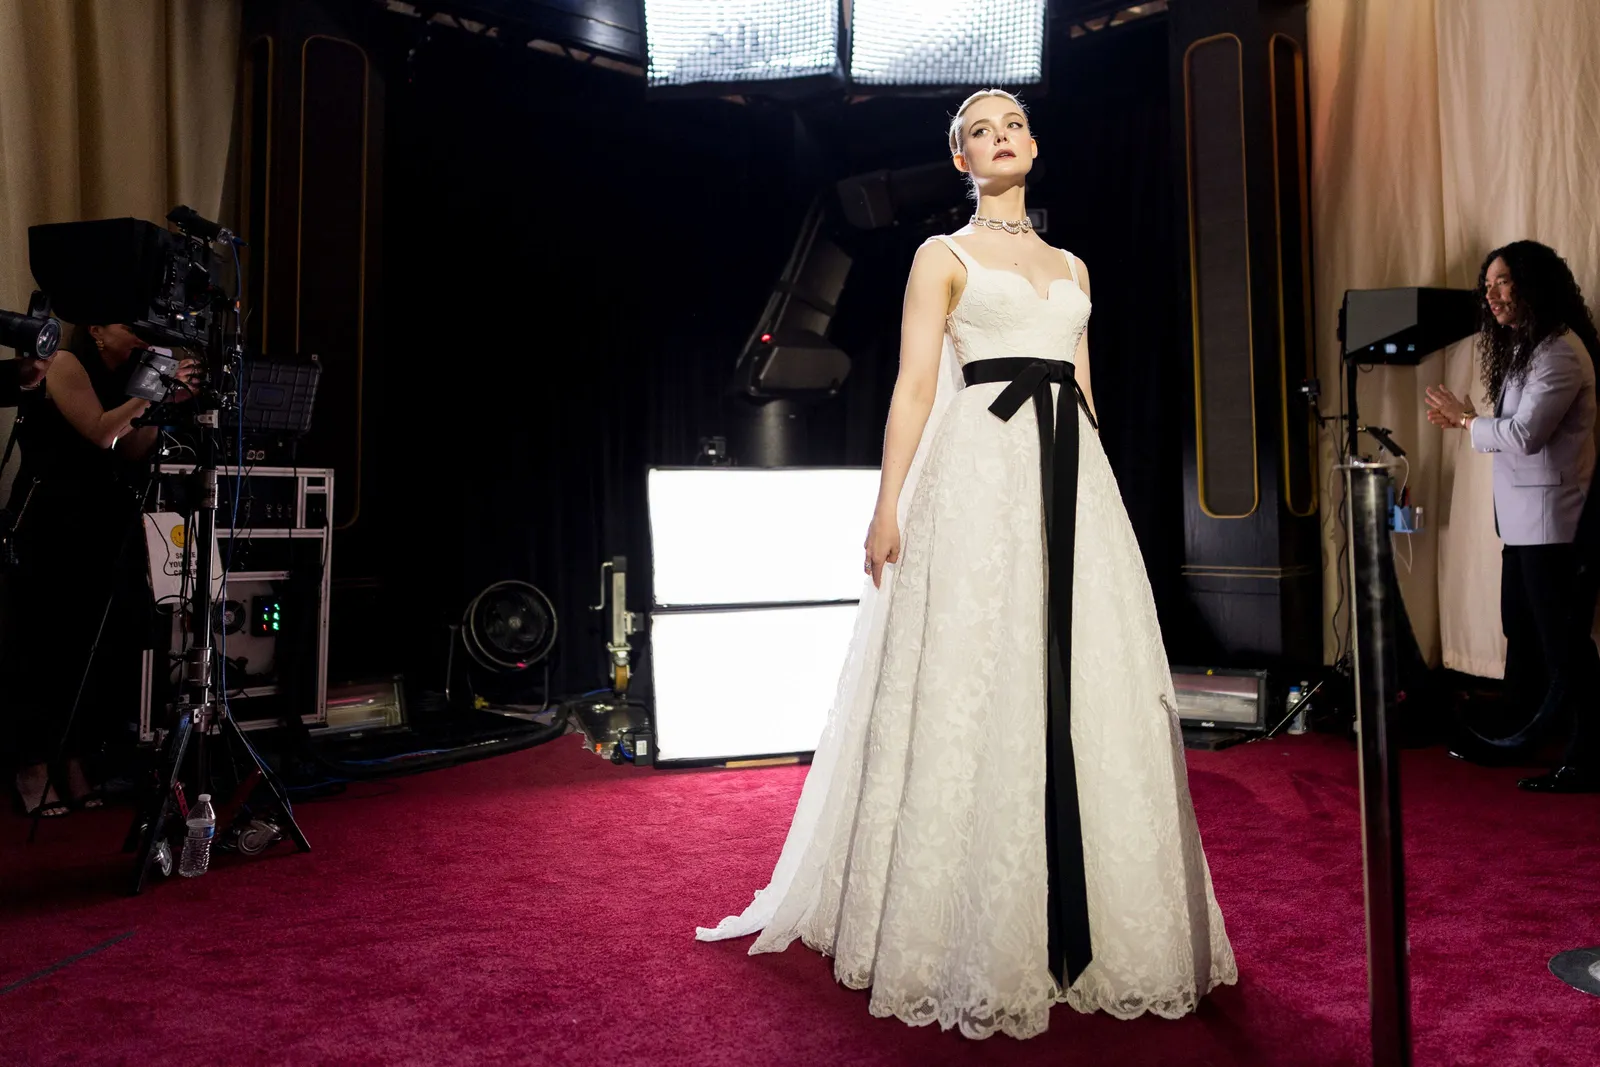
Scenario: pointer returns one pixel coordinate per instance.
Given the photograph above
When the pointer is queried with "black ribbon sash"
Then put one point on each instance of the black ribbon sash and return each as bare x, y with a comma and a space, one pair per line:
1070, 950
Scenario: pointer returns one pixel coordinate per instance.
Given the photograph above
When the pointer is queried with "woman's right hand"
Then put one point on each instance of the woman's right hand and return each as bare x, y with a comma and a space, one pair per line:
187, 377
883, 544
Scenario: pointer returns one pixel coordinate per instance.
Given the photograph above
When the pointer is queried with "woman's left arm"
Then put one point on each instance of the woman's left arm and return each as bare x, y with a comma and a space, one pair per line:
1080, 359
1553, 380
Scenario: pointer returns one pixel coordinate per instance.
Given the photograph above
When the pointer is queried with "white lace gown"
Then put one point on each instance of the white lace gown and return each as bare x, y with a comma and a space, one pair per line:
917, 854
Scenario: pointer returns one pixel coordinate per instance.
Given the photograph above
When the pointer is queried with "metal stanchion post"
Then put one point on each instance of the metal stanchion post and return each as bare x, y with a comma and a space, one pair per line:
1373, 619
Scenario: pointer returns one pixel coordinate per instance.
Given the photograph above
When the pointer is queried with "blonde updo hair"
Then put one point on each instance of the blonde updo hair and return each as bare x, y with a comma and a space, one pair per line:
961, 113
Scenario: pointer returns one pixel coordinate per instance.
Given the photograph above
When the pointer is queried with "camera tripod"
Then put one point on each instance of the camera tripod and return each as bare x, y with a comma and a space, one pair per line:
202, 709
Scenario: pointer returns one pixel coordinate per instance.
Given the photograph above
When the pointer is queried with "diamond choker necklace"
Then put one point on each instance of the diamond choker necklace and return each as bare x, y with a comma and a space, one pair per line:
1022, 225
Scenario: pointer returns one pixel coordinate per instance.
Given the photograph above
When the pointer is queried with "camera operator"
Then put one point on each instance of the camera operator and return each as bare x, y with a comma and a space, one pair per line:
76, 502
1542, 436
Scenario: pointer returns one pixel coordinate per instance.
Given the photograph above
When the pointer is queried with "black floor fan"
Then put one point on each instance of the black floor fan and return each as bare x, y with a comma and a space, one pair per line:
508, 629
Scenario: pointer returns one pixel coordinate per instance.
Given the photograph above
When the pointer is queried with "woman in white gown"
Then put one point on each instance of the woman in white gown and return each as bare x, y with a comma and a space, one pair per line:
997, 816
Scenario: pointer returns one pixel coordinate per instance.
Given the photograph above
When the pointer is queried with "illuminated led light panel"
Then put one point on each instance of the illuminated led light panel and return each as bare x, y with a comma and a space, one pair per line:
694, 42
725, 535
745, 683
979, 43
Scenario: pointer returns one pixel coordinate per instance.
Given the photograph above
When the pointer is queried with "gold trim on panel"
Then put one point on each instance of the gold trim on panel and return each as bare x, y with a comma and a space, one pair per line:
361, 273
1194, 280
1205, 570
260, 242
1305, 257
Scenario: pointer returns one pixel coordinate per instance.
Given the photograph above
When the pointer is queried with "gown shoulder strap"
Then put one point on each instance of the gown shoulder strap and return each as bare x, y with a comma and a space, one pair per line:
954, 246
1072, 267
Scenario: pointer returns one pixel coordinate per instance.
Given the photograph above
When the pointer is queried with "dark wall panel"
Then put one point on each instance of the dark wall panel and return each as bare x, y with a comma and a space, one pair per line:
1219, 230
1251, 563
330, 254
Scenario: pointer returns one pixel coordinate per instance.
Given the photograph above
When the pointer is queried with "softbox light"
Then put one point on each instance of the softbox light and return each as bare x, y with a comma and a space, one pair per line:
966, 43
726, 535
745, 683
730, 46
756, 579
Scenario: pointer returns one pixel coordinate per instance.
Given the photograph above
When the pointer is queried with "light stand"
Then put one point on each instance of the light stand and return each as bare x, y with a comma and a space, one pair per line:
202, 709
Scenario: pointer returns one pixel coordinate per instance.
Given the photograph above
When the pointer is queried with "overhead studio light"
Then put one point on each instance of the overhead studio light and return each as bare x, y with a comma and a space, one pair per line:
735, 45
955, 43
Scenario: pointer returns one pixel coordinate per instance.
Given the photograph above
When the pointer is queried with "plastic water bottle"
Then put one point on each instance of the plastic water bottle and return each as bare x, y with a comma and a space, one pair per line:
197, 844
1297, 725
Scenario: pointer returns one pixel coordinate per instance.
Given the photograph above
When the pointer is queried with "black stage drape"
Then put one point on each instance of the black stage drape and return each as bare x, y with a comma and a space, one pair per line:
569, 271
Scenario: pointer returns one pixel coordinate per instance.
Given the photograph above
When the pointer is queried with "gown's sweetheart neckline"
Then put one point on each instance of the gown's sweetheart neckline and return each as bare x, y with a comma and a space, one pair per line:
969, 261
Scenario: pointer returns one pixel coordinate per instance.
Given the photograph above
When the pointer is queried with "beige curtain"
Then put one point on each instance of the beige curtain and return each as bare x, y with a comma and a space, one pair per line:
1441, 129
109, 108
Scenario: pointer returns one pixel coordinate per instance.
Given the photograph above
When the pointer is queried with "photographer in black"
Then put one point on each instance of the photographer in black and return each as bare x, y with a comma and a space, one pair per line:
77, 539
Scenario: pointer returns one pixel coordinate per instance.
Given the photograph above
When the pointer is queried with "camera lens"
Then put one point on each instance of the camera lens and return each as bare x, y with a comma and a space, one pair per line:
33, 338
49, 338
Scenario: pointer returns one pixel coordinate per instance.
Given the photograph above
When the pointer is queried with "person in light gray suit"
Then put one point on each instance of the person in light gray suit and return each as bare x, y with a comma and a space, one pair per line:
1542, 437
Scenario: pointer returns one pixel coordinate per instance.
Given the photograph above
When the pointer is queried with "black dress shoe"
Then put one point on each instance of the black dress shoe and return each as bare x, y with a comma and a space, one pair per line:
1563, 780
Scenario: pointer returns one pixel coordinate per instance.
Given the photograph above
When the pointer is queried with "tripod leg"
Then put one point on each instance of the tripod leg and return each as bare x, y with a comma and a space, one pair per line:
150, 823
280, 796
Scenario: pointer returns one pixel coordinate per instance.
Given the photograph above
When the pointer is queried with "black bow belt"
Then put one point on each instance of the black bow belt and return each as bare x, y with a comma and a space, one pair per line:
1070, 950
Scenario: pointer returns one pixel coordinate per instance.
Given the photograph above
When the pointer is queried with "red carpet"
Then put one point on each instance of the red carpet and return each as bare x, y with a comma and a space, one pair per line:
539, 909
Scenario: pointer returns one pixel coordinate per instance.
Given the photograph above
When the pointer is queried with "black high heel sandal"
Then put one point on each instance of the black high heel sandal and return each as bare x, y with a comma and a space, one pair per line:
53, 809
90, 797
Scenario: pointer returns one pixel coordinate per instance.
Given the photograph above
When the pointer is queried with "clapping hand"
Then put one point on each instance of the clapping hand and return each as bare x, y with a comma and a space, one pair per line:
1445, 409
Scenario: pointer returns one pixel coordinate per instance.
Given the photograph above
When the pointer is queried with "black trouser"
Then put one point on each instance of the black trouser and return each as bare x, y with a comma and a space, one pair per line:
1552, 668
77, 545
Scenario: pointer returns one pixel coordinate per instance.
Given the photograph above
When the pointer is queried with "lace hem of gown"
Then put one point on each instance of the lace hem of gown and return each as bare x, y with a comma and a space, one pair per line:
1182, 1002
985, 1018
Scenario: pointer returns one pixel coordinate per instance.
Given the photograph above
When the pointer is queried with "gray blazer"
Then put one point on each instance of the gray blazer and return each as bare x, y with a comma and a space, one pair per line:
1542, 436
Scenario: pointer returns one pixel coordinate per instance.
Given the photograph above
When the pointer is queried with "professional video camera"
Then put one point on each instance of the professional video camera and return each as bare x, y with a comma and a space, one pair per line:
161, 285
35, 334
